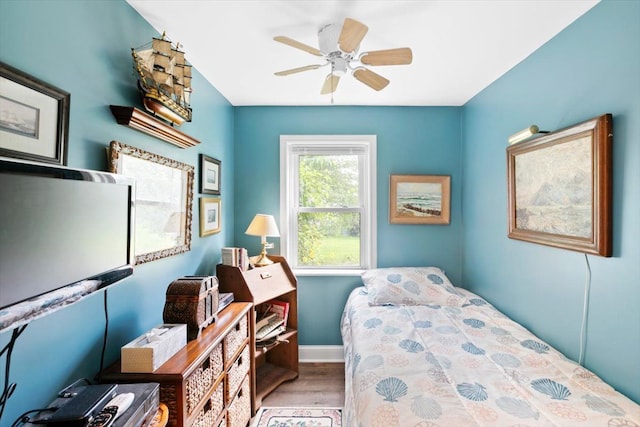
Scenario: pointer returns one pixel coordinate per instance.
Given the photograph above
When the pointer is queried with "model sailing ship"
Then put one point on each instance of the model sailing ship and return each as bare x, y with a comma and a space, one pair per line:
164, 79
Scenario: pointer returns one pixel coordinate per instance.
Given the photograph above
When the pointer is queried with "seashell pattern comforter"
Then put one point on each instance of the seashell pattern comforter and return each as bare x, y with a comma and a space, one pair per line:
458, 361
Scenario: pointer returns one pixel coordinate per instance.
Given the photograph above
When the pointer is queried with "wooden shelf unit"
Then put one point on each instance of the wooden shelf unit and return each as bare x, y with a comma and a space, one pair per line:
276, 363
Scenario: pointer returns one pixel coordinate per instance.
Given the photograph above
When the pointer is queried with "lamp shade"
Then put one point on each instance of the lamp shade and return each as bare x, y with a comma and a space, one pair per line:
263, 225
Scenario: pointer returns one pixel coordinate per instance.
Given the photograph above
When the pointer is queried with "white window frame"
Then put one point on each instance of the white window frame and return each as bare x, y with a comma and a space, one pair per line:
291, 146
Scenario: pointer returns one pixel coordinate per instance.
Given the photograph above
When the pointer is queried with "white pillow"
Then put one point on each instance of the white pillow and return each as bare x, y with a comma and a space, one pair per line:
410, 286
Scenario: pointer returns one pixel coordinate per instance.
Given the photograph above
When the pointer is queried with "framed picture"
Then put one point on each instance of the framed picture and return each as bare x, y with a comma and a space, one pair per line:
419, 199
559, 187
210, 175
34, 118
164, 195
209, 216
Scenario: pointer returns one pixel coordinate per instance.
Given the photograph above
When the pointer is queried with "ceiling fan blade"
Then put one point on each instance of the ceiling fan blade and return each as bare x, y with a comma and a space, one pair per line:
293, 43
400, 56
371, 79
351, 35
330, 84
297, 70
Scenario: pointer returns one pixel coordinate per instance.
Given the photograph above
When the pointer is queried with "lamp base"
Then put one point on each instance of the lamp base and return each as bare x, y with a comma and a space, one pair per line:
262, 260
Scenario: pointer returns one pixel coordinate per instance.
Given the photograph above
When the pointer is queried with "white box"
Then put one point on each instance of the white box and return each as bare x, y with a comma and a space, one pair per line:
149, 351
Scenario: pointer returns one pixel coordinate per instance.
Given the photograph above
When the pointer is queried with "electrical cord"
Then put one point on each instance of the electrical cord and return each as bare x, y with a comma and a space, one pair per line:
23, 419
585, 312
8, 389
98, 377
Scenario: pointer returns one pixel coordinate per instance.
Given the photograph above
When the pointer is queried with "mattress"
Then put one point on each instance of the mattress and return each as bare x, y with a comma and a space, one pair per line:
449, 358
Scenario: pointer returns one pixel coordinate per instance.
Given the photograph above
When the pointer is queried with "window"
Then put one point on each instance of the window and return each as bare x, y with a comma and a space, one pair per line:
327, 202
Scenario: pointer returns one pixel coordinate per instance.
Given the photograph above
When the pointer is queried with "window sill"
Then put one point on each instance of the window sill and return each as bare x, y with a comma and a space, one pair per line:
326, 272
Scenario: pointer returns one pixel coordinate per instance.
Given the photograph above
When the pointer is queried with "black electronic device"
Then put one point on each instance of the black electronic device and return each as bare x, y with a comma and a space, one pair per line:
64, 230
139, 413
79, 409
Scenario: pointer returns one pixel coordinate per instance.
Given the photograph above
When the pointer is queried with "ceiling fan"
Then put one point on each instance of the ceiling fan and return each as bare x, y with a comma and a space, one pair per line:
339, 46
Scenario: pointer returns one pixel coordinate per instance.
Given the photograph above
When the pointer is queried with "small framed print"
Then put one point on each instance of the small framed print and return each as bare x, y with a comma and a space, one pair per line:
209, 216
34, 118
419, 199
210, 175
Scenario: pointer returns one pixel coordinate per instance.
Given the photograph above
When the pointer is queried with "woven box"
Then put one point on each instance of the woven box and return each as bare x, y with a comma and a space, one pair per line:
149, 351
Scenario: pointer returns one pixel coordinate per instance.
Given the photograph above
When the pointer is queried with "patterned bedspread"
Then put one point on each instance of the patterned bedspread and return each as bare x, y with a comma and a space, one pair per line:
457, 361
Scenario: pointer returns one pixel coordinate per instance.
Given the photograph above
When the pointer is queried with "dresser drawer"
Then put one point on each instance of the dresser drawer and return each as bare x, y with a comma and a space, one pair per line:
235, 339
200, 381
237, 372
212, 408
239, 412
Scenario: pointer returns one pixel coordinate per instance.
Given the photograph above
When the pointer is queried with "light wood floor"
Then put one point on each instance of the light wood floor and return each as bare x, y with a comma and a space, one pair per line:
318, 384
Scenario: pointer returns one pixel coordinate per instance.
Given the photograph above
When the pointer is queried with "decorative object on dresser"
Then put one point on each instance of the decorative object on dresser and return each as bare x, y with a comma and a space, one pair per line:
277, 362
560, 188
34, 118
163, 223
149, 351
207, 383
263, 226
192, 300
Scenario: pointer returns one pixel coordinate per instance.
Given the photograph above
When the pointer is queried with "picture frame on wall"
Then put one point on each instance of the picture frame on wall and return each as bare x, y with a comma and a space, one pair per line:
210, 175
420, 199
560, 188
34, 118
164, 199
210, 211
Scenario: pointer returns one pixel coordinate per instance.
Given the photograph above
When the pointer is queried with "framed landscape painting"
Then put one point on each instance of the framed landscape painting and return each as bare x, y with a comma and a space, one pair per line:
560, 188
419, 199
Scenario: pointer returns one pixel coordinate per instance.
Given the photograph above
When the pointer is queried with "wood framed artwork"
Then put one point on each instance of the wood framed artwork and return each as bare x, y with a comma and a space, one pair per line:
34, 118
210, 215
210, 175
419, 199
560, 188
164, 197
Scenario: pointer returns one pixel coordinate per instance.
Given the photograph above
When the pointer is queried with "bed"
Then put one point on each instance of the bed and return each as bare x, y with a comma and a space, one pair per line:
420, 352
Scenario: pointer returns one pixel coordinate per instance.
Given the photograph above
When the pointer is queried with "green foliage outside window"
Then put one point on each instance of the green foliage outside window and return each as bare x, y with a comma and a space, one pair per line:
329, 237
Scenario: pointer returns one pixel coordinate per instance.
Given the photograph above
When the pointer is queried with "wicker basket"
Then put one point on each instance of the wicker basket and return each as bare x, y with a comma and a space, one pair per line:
237, 372
202, 378
212, 409
234, 339
239, 412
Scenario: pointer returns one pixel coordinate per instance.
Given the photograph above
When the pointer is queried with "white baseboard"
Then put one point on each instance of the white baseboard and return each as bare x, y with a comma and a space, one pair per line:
321, 353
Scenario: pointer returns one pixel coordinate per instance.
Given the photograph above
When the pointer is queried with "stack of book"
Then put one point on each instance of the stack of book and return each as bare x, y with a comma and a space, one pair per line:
272, 322
236, 257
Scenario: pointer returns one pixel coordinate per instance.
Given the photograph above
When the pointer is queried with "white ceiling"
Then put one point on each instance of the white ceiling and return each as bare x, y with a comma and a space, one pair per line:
459, 46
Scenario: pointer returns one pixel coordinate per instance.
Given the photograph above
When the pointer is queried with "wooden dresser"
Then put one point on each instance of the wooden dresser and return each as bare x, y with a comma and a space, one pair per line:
207, 383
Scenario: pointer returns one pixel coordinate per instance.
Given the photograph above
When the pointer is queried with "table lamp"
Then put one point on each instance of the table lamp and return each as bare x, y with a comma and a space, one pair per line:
263, 226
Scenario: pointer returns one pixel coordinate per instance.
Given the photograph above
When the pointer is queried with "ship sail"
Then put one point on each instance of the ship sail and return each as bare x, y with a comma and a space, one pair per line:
164, 79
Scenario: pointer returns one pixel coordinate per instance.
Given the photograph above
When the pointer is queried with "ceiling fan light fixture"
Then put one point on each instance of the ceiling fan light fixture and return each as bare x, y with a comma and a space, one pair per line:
328, 36
339, 45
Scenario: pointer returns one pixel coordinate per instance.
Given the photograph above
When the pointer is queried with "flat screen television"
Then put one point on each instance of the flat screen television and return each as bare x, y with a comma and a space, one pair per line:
64, 233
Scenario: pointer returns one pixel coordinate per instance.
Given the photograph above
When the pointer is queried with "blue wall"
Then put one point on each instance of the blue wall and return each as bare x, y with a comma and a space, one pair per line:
410, 140
84, 48
591, 68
